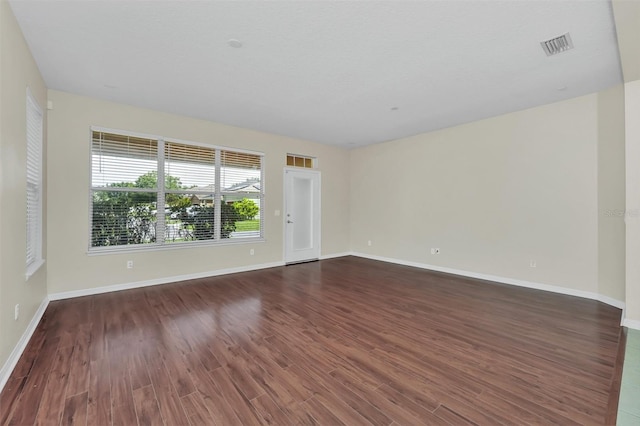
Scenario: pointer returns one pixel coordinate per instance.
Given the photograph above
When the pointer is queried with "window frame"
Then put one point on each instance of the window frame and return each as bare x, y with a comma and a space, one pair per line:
34, 230
312, 161
161, 194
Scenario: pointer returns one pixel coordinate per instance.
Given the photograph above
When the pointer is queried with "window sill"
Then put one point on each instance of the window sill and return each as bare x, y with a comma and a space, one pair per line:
33, 268
143, 248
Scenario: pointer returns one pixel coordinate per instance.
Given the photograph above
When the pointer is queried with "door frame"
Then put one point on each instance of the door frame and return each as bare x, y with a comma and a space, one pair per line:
284, 209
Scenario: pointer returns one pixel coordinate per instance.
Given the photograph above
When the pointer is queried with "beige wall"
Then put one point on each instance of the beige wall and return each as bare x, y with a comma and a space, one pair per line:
543, 184
611, 193
626, 14
17, 71
70, 268
495, 194
632, 126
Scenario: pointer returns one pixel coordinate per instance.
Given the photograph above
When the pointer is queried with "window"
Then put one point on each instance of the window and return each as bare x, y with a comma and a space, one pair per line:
300, 161
150, 191
34, 185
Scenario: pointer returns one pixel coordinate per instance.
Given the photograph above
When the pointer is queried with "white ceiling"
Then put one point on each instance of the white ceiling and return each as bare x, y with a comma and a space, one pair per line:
325, 71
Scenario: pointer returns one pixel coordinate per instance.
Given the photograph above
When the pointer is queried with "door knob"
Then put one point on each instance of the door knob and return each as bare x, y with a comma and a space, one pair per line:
289, 221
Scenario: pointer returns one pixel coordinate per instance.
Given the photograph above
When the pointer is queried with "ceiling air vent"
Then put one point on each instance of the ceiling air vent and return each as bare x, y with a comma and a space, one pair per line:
557, 44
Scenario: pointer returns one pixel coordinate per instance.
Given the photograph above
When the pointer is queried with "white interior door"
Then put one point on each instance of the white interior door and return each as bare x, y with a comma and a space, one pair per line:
302, 215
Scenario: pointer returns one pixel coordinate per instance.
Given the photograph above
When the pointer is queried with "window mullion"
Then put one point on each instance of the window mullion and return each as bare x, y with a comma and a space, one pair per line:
160, 207
217, 221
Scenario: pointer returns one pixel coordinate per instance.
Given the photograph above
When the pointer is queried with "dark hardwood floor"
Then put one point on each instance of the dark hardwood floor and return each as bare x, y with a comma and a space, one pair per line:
341, 341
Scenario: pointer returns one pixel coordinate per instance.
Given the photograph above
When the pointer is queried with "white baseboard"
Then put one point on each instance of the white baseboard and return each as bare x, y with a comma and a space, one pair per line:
611, 301
635, 324
520, 283
158, 281
15, 355
334, 255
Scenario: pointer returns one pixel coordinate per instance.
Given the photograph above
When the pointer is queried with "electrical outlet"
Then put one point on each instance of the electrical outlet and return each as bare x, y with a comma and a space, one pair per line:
252, 252
532, 263
129, 264
369, 243
16, 313
435, 251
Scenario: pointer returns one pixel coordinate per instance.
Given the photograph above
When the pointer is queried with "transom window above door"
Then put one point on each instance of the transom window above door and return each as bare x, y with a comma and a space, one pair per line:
295, 160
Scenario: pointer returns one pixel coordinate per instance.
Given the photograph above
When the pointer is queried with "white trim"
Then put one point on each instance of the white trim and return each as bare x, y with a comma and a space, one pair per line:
503, 280
302, 169
283, 214
334, 255
611, 301
19, 348
137, 248
33, 268
158, 281
635, 324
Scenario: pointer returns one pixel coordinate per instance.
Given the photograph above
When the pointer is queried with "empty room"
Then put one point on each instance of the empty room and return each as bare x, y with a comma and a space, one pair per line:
320, 212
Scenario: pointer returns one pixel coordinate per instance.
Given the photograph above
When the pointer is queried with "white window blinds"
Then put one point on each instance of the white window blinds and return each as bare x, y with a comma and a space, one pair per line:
152, 191
34, 132
124, 193
119, 160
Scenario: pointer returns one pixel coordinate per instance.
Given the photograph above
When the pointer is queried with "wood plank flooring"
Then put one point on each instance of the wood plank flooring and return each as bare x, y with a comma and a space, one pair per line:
341, 341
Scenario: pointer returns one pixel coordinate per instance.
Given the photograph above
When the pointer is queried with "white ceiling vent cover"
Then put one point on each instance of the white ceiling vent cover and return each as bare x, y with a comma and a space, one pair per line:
557, 44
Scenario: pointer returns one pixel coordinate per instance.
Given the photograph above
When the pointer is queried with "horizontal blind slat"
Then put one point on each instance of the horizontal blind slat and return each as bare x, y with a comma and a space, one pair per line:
240, 172
189, 166
118, 160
